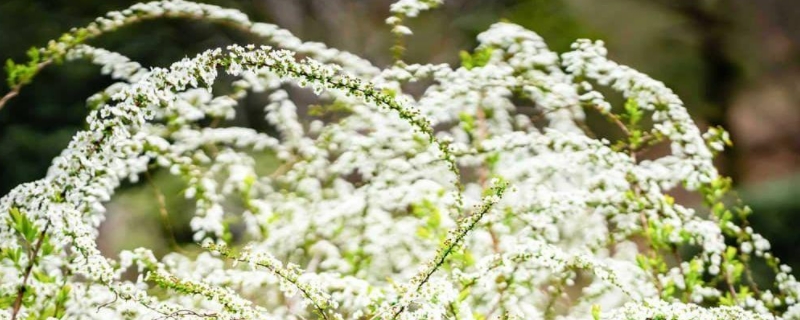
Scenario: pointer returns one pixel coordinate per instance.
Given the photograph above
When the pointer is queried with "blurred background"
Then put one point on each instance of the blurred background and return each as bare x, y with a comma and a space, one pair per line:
735, 63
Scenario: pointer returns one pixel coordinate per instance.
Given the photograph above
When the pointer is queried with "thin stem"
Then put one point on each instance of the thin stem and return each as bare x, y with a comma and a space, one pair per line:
162, 210
454, 311
465, 225
549, 311
8, 96
58, 301
33, 259
728, 280
280, 273
616, 120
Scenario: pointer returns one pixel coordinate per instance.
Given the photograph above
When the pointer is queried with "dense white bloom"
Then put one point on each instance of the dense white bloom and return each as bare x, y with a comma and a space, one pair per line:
455, 204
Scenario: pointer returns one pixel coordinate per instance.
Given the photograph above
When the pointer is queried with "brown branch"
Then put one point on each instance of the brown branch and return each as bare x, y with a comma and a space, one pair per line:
728, 280
28, 270
616, 120
11, 94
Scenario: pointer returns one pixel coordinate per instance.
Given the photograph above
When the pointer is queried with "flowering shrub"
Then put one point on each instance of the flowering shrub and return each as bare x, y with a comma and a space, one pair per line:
454, 204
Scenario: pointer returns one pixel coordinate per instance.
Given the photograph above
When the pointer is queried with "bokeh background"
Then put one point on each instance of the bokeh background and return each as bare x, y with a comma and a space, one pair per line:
735, 63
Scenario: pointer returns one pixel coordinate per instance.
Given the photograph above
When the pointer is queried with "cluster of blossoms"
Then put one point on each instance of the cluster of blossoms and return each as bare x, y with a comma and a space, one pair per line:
485, 197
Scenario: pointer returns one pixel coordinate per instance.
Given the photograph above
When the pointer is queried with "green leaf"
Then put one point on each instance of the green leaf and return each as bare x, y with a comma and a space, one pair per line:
63, 293
463, 295
42, 277
727, 300
635, 138
641, 261
482, 56
12, 254
47, 247
466, 59
7, 301
634, 114
595, 312
467, 121
478, 59
11, 72
730, 253
34, 55
29, 296
23, 225
669, 290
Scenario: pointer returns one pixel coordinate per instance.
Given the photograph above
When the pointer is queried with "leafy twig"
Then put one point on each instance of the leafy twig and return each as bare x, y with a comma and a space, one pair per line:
28, 270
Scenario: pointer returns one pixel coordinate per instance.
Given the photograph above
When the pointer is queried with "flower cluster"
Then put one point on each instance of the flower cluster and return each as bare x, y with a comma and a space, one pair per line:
485, 197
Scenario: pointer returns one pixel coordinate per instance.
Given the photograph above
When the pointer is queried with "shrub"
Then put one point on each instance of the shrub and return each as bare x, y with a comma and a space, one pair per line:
460, 203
